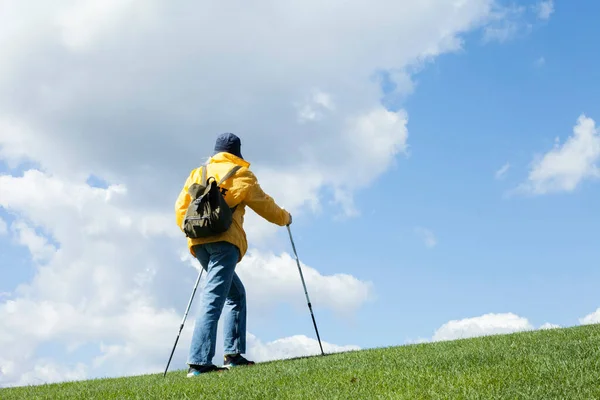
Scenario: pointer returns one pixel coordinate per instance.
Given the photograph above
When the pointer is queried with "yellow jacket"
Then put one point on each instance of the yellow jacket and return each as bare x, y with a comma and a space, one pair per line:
243, 190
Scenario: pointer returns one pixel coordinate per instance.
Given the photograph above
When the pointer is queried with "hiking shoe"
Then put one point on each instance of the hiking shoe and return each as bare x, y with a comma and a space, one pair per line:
196, 370
235, 360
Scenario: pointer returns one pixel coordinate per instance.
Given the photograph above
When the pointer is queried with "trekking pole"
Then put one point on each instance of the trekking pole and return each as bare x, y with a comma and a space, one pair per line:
305, 292
183, 321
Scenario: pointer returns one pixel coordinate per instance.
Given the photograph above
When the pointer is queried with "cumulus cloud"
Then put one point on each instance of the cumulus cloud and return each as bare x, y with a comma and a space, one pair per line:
488, 324
270, 276
44, 371
131, 341
592, 318
155, 92
85, 23
540, 62
484, 325
3, 227
38, 245
507, 22
315, 106
290, 347
114, 275
566, 166
544, 9
417, 341
502, 171
549, 325
427, 236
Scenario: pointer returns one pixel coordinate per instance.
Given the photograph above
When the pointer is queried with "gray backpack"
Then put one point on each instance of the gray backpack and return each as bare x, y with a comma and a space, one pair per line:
208, 214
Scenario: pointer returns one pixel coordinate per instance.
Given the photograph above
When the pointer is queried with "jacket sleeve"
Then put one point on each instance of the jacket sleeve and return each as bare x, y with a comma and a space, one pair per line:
262, 203
183, 201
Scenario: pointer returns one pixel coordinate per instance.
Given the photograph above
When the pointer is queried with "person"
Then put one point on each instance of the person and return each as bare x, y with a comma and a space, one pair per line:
219, 254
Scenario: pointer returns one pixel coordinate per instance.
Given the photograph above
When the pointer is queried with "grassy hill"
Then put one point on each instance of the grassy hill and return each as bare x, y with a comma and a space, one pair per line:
548, 364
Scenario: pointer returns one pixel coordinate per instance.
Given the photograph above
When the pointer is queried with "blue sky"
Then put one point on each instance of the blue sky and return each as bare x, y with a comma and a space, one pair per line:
470, 114
94, 284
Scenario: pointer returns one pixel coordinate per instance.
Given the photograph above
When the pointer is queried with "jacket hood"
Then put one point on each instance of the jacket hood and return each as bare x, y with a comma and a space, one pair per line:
226, 157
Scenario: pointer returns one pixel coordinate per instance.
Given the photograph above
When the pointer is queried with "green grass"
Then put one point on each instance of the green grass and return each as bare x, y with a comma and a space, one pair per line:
548, 364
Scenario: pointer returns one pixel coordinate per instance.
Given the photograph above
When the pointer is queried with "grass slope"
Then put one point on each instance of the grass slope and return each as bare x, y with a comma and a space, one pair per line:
549, 364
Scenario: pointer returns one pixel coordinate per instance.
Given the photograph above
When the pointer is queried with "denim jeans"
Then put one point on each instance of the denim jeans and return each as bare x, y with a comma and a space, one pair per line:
222, 291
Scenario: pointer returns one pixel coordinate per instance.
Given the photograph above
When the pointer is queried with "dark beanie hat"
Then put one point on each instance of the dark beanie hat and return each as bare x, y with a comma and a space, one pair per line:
229, 143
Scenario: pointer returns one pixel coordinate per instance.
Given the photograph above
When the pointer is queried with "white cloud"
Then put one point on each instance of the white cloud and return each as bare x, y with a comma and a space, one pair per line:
417, 341
502, 171
507, 22
512, 21
269, 276
548, 325
89, 21
71, 64
563, 168
38, 245
540, 62
372, 138
290, 347
427, 236
315, 107
3, 227
501, 33
115, 276
484, 325
488, 324
545, 9
44, 371
593, 318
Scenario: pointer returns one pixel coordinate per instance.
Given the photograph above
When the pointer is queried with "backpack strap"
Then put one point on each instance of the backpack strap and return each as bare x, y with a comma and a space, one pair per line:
229, 174
203, 179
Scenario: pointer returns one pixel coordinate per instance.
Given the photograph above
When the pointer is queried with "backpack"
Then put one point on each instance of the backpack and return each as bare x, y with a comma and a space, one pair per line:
208, 214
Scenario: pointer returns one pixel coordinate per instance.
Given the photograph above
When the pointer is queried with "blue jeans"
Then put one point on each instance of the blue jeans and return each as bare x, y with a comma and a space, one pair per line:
223, 291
